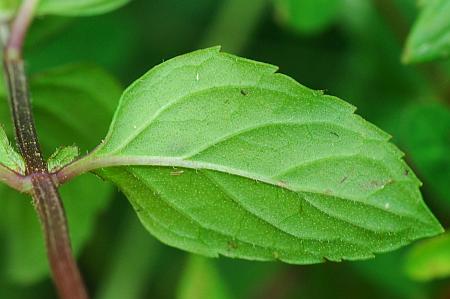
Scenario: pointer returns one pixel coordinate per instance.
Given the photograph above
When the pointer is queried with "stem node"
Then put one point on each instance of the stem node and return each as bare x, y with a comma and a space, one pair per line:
45, 194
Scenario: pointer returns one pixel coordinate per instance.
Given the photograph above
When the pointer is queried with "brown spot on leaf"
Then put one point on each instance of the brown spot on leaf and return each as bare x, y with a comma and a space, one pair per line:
232, 245
380, 184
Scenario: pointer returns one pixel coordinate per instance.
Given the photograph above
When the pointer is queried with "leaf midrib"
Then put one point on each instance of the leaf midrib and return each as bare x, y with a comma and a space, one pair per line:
111, 161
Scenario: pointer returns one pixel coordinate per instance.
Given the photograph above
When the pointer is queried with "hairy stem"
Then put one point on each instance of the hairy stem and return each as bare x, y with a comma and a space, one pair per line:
45, 194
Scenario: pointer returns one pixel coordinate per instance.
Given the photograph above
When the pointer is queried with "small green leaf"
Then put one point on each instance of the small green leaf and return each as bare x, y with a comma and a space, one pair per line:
71, 104
62, 156
308, 16
12, 166
8, 156
201, 280
221, 155
430, 259
430, 35
78, 7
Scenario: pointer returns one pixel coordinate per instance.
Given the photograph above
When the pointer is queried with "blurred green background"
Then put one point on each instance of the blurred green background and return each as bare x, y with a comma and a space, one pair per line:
348, 48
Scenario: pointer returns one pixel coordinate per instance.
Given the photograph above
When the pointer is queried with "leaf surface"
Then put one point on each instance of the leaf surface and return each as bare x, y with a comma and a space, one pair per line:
430, 35
61, 157
248, 163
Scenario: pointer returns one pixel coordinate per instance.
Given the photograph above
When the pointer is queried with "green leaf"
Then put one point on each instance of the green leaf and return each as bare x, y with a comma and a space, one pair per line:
430, 35
248, 163
308, 16
62, 156
78, 7
8, 156
12, 166
201, 280
71, 104
430, 259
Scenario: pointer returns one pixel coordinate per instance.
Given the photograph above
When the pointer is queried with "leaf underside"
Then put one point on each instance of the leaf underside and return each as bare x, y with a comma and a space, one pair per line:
248, 163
